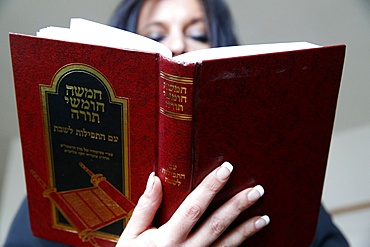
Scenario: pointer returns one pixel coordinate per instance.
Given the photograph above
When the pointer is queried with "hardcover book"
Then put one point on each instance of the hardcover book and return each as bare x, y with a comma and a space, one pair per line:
99, 109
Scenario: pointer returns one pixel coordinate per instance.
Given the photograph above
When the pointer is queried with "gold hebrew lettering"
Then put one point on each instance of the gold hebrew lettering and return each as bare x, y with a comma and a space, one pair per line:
101, 105
75, 102
169, 104
78, 132
85, 104
172, 181
174, 106
183, 89
69, 88
183, 99
89, 93
75, 112
79, 91
172, 167
67, 130
109, 154
86, 133
177, 89
170, 87
84, 114
164, 171
173, 97
89, 114
92, 103
167, 95
101, 136
95, 117
97, 92
112, 138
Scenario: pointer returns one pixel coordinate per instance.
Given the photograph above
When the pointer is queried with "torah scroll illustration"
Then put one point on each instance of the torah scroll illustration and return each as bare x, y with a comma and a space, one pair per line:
89, 209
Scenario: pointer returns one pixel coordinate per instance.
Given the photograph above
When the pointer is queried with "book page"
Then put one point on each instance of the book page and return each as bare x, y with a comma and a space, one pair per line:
243, 50
89, 32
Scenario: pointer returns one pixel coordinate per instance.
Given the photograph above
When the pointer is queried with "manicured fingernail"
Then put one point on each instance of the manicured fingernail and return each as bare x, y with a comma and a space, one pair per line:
262, 222
224, 171
150, 183
228, 166
256, 193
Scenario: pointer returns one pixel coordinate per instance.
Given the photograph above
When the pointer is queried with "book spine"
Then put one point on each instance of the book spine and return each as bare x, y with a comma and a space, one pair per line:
175, 134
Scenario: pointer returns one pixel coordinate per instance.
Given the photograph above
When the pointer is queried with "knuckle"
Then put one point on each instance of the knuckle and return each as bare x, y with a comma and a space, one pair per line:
193, 211
248, 230
242, 202
212, 185
143, 204
217, 226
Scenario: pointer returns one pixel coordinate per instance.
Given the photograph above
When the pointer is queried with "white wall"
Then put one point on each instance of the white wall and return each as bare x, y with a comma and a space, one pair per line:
27, 17
323, 22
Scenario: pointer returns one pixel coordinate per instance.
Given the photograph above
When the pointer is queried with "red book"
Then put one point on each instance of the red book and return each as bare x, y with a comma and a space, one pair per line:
97, 118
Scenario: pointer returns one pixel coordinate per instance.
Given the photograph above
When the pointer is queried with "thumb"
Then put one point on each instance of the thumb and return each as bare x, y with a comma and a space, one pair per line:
146, 208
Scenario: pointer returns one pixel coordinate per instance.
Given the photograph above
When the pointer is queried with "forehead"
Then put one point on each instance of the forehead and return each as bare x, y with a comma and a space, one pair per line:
170, 11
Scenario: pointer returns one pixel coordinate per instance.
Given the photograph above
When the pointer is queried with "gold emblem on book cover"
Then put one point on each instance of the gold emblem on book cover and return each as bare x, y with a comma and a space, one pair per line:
89, 209
86, 124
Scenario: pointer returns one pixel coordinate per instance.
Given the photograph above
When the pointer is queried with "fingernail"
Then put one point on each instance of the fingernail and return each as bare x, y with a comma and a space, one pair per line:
224, 171
256, 193
262, 222
150, 183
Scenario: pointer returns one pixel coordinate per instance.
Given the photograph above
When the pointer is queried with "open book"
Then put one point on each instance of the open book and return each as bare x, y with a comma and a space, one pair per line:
89, 32
119, 103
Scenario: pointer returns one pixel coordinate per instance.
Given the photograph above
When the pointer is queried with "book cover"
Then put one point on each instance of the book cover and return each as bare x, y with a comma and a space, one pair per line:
271, 116
95, 121
75, 106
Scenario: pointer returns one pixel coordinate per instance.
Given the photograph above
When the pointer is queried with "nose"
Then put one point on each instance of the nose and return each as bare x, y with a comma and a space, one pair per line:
176, 42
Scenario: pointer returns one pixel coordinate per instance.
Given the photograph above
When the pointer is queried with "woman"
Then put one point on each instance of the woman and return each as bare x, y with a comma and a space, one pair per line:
185, 25
214, 14
182, 26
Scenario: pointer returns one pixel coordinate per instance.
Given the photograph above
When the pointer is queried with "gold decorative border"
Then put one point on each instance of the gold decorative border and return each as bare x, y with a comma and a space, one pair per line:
177, 79
53, 89
188, 81
178, 116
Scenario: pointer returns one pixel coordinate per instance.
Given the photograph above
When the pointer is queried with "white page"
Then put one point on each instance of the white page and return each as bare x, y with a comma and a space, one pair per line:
89, 32
243, 50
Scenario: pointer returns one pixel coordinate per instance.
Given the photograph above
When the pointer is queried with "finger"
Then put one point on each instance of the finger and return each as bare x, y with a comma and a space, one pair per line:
221, 219
196, 203
146, 208
245, 230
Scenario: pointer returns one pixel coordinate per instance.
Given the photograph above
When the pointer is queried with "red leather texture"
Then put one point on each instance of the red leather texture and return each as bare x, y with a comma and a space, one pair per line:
271, 116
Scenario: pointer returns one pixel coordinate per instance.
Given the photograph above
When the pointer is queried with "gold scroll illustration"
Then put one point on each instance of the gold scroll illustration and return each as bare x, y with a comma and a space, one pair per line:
89, 209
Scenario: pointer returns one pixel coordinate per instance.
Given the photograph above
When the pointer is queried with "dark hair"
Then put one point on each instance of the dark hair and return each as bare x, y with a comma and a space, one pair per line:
218, 20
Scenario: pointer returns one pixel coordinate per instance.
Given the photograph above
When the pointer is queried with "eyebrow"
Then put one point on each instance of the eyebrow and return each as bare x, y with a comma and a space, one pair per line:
159, 23
196, 20
155, 23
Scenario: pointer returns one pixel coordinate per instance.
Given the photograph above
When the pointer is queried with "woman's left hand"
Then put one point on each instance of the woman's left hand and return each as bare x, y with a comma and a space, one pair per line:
178, 230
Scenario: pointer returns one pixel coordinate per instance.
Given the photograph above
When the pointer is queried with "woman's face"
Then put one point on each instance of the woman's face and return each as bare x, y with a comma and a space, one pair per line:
178, 24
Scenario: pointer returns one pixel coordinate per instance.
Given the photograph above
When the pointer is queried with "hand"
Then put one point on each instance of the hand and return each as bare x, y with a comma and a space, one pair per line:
178, 230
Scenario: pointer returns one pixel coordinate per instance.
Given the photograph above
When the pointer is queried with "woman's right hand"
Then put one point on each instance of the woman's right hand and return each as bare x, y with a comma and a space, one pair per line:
178, 230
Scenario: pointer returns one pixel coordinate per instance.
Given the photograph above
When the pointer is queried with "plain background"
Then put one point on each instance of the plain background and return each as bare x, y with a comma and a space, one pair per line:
327, 22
